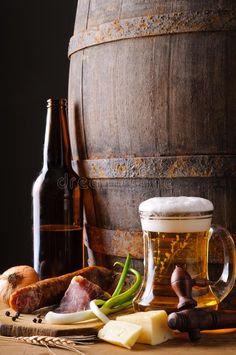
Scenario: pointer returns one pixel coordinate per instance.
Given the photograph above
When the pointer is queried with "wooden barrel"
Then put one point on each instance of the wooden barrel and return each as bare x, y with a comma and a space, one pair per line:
152, 111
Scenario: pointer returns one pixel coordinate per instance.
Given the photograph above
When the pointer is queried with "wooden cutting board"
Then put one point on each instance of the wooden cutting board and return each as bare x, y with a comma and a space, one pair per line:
24, 325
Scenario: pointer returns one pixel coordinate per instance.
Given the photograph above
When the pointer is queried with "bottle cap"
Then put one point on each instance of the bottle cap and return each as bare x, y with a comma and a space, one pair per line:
56, 102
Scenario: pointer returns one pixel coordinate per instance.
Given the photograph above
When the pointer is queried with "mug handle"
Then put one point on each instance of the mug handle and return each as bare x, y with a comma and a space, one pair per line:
222, 287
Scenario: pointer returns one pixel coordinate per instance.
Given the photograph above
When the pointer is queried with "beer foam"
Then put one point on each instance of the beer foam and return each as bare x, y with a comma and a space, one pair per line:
175, 225
167, 206
163, 214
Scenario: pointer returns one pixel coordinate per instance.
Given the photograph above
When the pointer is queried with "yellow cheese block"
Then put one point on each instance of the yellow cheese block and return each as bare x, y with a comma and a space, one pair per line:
120, 333
154, 326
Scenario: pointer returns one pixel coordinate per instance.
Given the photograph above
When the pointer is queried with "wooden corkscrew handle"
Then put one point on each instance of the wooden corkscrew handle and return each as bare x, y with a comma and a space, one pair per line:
195, 320
190, 319
182, 283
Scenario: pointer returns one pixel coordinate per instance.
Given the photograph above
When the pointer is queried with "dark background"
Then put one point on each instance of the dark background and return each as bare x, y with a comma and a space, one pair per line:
34, 66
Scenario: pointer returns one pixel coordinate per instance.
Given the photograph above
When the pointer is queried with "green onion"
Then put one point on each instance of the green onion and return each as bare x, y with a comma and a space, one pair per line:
97, 311
128, 295
122, 276
119, 301
69, 318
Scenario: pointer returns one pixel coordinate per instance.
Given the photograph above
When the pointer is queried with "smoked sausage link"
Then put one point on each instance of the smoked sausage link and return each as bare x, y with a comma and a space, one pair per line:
50, 291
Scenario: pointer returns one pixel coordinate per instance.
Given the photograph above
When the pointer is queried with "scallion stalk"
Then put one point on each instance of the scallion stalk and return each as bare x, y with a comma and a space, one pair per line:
122, 276
120, 299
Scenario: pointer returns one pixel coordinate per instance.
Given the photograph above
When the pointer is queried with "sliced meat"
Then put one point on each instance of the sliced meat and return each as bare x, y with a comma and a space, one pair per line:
50, 291
78, 295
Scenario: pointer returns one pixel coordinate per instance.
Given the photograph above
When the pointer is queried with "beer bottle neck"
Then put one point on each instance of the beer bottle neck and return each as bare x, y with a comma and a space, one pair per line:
57, 151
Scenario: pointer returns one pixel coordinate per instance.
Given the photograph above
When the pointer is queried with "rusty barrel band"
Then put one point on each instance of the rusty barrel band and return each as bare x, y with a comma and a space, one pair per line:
220, 19
160, 167
115, 242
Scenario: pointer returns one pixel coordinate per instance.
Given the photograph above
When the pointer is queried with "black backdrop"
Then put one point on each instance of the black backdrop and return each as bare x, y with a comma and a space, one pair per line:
34, 66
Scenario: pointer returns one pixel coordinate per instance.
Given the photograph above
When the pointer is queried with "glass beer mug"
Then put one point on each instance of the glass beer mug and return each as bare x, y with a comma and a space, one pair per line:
176, 231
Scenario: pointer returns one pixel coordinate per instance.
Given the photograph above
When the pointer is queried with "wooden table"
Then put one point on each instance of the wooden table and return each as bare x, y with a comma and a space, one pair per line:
211, 343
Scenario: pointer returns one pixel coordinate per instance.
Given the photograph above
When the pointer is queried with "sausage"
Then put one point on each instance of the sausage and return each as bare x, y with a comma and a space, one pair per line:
50, 291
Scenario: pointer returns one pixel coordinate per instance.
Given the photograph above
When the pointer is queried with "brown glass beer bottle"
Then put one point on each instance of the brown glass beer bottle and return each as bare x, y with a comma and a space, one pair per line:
57, 201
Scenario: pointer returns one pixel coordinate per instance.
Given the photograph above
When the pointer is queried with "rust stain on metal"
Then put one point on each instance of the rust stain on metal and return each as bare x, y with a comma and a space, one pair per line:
121, 168
178, 22
161, 167
93, 169
175, 168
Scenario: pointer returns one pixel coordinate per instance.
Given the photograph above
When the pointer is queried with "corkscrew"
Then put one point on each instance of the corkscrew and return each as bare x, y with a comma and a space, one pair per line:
195, 320
182, 283
190, 319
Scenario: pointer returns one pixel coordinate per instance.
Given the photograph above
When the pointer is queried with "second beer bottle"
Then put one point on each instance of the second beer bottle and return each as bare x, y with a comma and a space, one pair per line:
57, 201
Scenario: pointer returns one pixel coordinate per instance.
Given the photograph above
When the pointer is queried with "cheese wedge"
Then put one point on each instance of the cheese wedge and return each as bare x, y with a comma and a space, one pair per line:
154, 326
120, 333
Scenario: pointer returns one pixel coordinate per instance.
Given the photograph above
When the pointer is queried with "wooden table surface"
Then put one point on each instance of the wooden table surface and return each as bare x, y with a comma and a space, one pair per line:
211, 343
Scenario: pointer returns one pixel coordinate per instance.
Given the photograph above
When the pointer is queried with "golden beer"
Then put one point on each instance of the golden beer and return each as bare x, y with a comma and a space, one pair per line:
176, 231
